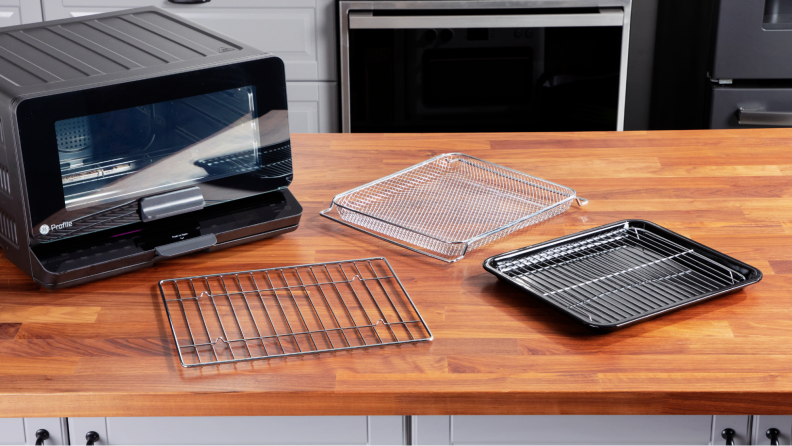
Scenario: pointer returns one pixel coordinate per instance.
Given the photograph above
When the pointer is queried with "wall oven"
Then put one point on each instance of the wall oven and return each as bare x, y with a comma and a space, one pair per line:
462, 66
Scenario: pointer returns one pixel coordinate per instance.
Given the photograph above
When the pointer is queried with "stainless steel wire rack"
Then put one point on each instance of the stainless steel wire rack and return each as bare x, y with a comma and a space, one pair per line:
296, 310
449, 205
613, 276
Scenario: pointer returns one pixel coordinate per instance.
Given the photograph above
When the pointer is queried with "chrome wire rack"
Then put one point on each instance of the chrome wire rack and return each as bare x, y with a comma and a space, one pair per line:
297, 310
449, 205
619, 276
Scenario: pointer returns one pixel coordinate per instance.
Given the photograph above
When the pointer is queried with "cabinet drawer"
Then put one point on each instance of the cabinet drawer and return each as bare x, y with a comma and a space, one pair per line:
726, 101
570, 429
55, 426
17, 12
313, 107
297, 31
566, 429
237, 430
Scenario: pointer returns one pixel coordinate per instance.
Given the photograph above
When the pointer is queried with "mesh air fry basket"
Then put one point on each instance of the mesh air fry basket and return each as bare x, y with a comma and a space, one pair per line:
449, 205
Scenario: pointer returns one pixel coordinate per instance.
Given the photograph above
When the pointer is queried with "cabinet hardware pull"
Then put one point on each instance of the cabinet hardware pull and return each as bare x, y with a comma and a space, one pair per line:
92, 438
773, 434
728, 435
764, 118
189, 2
43, 434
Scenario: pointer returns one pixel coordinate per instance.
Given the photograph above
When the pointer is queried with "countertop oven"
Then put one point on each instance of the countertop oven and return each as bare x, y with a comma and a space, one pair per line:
456, 66
150, 137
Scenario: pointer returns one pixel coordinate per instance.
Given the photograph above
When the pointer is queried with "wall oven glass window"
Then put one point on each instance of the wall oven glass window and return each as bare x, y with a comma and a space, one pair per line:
200, 138
484, 79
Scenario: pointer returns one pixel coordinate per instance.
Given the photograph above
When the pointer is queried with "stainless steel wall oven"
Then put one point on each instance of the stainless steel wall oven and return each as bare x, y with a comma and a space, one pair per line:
458, 65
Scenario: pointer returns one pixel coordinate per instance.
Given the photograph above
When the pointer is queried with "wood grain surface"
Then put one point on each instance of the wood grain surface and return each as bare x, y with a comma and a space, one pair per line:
105, 349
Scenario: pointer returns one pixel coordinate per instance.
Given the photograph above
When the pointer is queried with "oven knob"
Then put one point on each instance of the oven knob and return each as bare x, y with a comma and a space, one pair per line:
446, 35
518, 32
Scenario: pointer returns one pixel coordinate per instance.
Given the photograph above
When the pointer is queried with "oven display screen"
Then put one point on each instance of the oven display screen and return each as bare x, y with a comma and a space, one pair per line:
141, 150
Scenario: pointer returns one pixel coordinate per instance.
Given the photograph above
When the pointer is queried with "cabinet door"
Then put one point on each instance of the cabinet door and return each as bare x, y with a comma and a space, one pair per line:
79, 428
17, 12
237, 430
58, 433
764, 422
572, 429
12, 431
313, 107
286, 28
740, 424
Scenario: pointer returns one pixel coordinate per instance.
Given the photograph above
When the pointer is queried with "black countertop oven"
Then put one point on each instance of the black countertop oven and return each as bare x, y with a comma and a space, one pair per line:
133, 137
483, 65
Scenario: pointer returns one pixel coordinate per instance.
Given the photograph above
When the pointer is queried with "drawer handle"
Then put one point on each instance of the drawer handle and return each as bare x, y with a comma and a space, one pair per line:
728, 435
92, 438
189, 2
43, 434
773, 434
758, 117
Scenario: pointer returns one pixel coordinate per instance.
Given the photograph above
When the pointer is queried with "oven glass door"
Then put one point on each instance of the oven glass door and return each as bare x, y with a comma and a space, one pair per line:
494, 79
106, 156
89, 152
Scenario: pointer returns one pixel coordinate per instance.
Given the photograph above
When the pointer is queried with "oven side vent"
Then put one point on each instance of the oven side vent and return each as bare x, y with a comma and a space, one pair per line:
8, 227
5, 180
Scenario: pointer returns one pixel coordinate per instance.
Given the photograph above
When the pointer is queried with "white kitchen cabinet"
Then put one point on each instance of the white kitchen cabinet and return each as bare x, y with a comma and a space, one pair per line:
564, 429
58, 432
17, 12
12, 431
300, 32
762, 423
240, 430
741, 424
313, 107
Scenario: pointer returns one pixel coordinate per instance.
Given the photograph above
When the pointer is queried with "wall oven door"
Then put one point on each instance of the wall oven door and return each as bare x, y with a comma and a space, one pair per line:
473, 66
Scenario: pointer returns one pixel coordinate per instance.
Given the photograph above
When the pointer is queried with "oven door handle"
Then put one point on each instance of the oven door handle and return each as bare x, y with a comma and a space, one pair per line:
183, 247
367, 20
761, 117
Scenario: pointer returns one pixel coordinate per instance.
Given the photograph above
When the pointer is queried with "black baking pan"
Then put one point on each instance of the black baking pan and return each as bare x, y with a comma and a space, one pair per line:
622, 273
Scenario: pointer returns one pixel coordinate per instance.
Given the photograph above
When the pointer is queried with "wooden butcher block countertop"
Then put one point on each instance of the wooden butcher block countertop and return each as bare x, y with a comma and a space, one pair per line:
105, 348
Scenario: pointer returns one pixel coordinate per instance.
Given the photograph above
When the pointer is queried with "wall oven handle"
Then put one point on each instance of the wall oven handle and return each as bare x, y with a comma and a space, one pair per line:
760, 117
189, 2
367, 20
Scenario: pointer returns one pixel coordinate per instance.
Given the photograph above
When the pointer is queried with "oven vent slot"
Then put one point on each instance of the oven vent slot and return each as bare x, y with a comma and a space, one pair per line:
5, 180
8, 227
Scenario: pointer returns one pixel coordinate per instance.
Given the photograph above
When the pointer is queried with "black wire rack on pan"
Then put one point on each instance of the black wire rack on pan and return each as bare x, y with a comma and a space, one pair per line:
289, 311
619, 274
